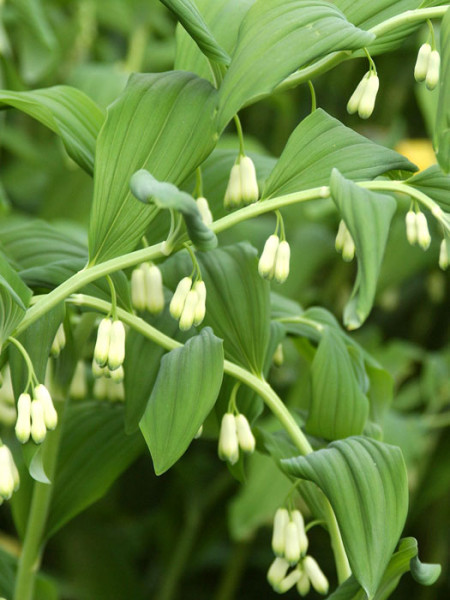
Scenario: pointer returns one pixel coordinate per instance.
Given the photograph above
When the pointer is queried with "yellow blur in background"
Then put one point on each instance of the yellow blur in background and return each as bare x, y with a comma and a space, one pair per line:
418, 151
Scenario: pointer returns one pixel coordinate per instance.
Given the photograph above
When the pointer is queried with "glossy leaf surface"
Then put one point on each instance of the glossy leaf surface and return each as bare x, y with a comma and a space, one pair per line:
321, 143
68, 112
368, 216
366, 484
184, 393
163, 123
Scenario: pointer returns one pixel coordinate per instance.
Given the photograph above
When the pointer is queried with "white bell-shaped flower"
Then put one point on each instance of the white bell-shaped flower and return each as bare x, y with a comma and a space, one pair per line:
23, 423
42, 395
266, 264
228, 441
101, 349
179, 297
116, 351
315, 574
245, 436
421, 66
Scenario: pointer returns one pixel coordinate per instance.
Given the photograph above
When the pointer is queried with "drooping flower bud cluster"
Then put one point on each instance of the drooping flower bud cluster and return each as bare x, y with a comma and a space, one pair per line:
274, 260
109, 351
242, 188
363, 98
35, 416
188, 304
9, 476
59, 342
8, 413
417, 229
106, 388
344, 243
427, 66
147, 291
204, 210
235, 433
291, 566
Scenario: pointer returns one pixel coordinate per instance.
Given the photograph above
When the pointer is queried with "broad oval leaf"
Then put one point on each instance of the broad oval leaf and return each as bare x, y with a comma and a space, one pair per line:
94, 452
14, 299
368, 217
223, 18
184, 393
276, 38
442, 133
161, 122
338, 408
193, 22
166, 195
321, 143
435, 184
68, 112
366, 484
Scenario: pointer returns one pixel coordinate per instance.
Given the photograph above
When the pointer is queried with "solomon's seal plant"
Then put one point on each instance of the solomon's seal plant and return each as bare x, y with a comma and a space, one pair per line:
167, 309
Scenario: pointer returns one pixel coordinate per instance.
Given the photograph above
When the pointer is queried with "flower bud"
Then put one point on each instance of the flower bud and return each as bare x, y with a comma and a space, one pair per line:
204, 210
38, 428
434, 65
303, 585
249, 182
199, 433
228, 440
340, 237
23, 423
154, 291
189, 311
78, 387
278, 357
233, 192
277, 571
315, 574
179, 297
59, 342
411, 228
98, 371
102, 344
283, 256
9, 476
245, 436
115, 391
443, 255
138, 299
266, 265
292, 544
297, 517
348, 251
200, 310
423, 235
423, 58
100, 389
116, 352
41, 394
288, 582
355, 99
280, 522
117, 375
367, 102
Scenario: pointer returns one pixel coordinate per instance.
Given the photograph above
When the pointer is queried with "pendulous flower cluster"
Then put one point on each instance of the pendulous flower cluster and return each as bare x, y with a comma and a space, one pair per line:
242, 188
35, 416
274, 260
109, 351
147, 291
9, 476
188, 304
235, 433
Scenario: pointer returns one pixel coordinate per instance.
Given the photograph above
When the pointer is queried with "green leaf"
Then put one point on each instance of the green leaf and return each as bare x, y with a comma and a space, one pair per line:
401, 562
193, 22
14, 299
278, 37
435, 184
223, 18
184, 393
321, 143
181, 106
166, 195
237, 300
442, 132
368, 216
366, 484
339, 408
94, 452
68, 112
142, 360
37, 340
